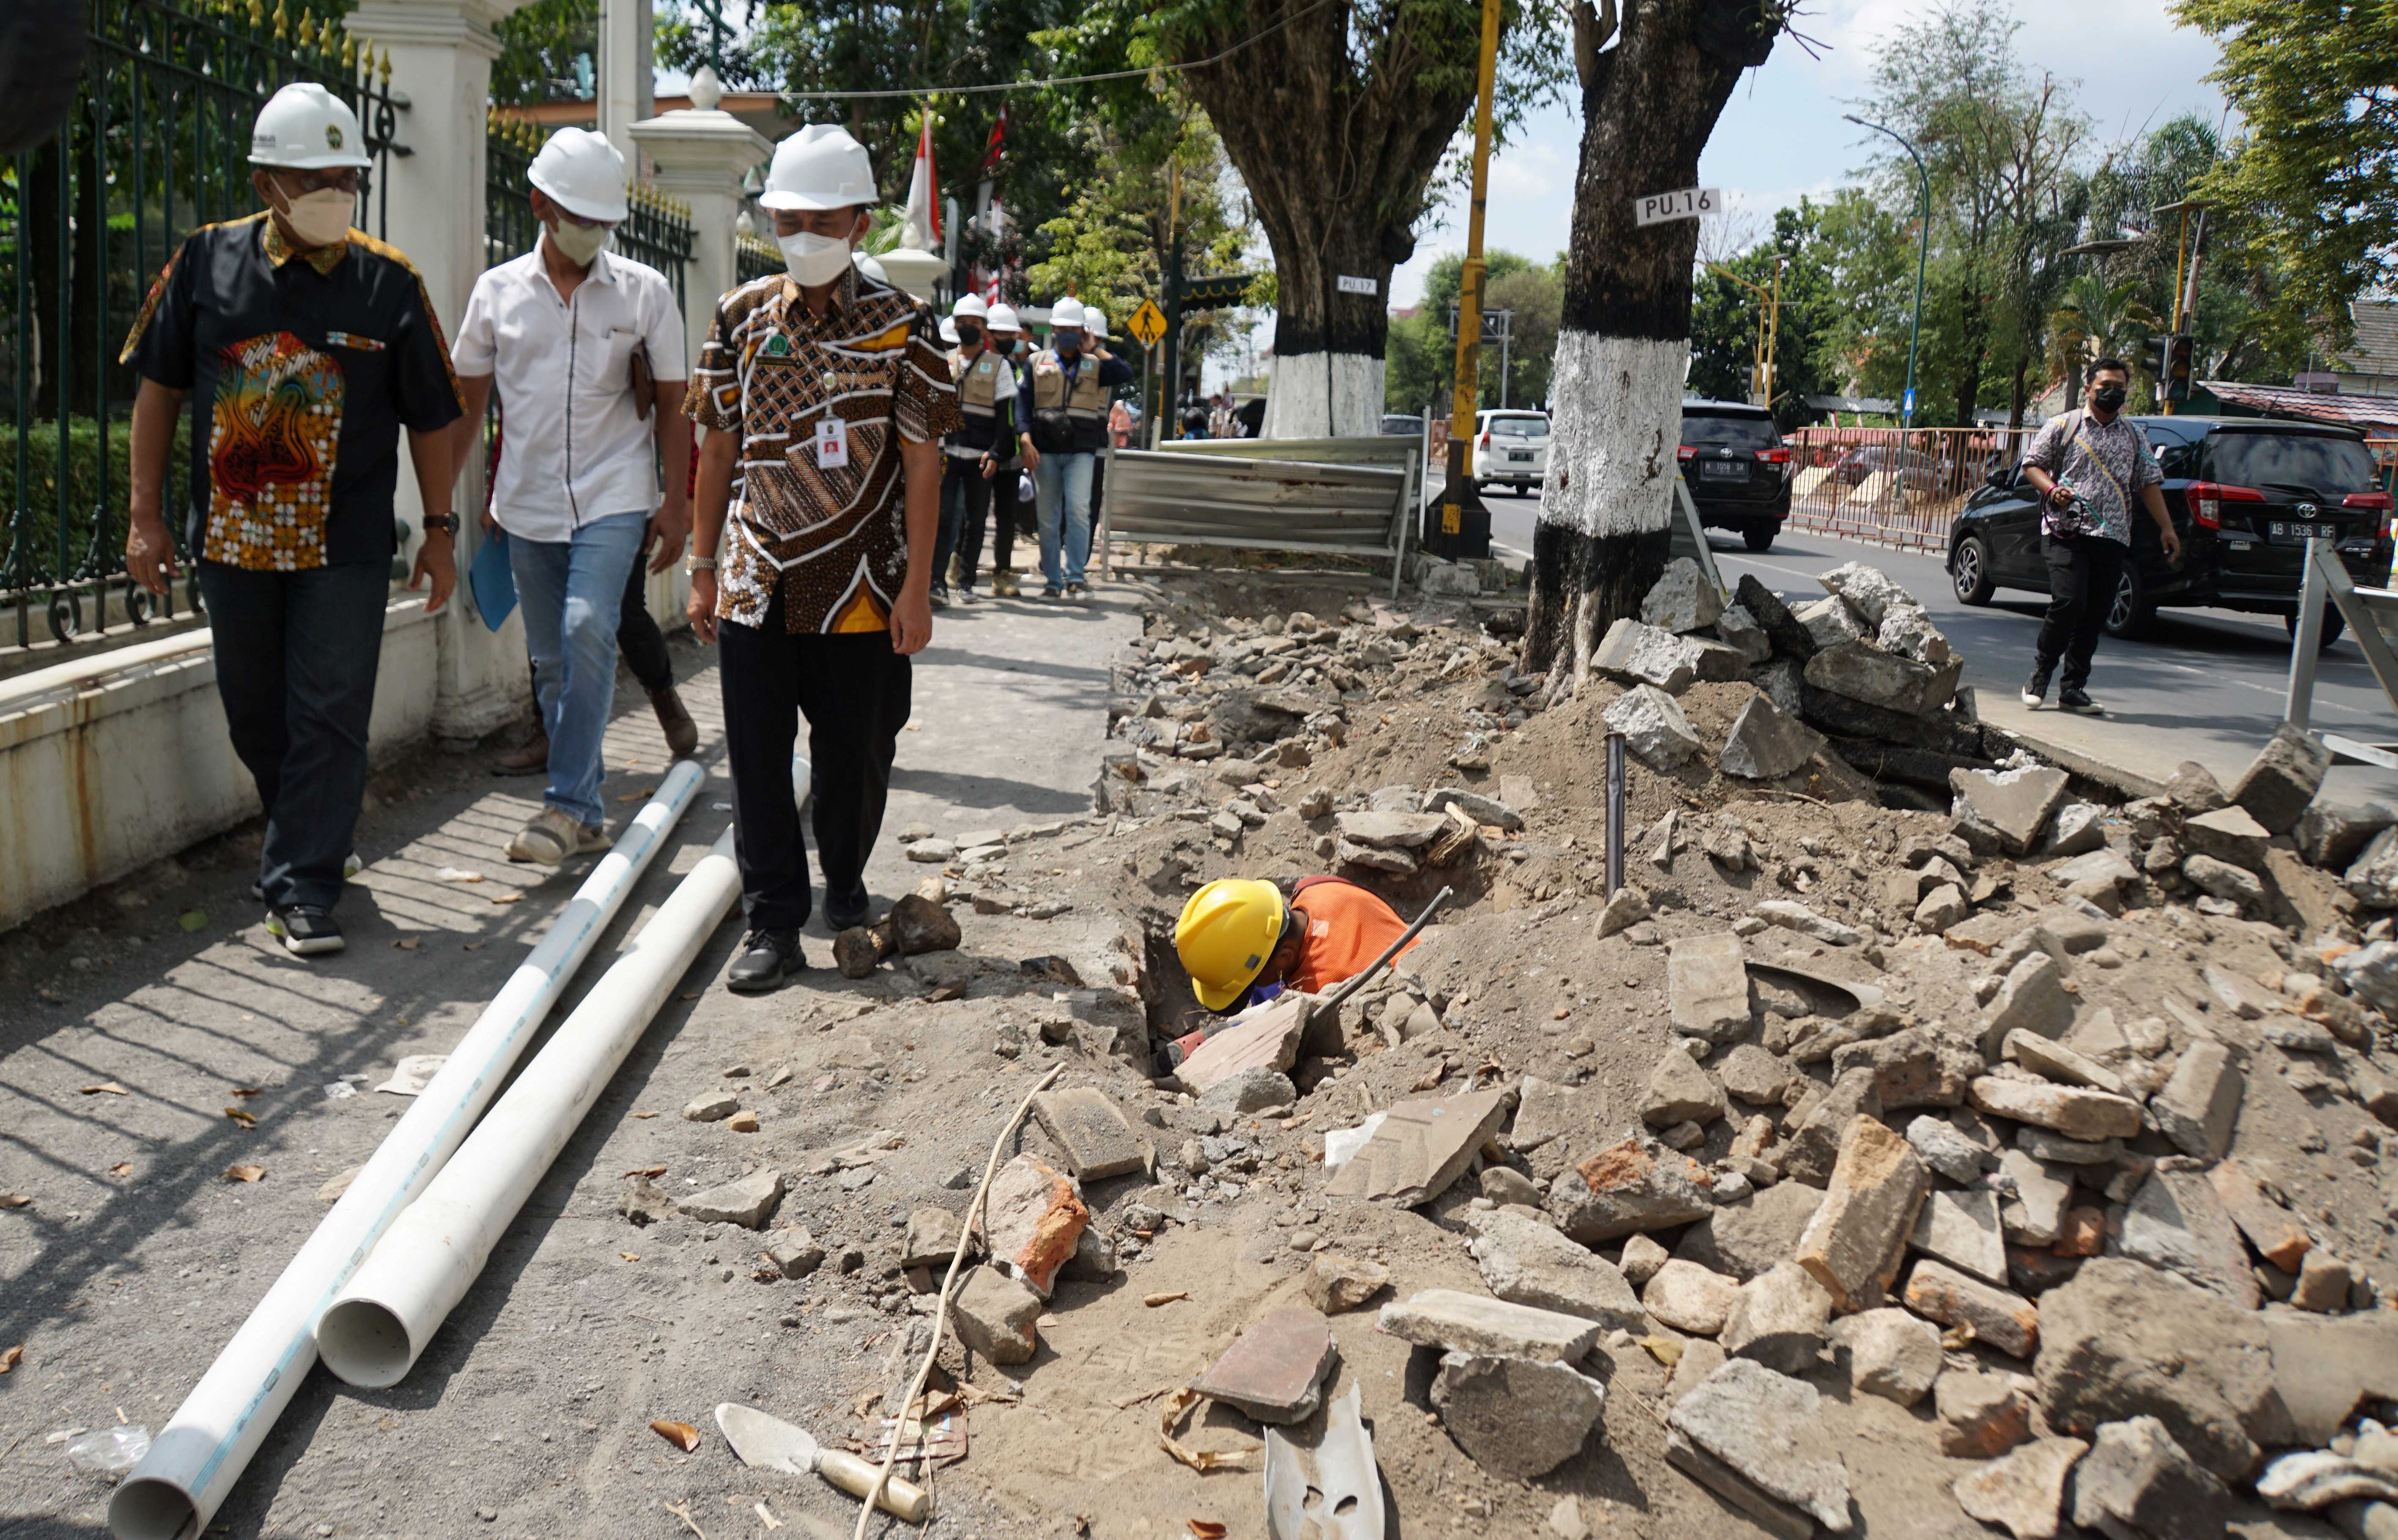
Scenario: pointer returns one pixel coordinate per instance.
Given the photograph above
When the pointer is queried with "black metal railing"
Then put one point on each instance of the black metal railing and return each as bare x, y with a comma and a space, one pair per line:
156, 146
754, 257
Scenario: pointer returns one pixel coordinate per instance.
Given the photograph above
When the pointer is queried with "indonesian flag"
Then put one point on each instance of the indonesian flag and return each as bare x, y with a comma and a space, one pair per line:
998, 137
922, 227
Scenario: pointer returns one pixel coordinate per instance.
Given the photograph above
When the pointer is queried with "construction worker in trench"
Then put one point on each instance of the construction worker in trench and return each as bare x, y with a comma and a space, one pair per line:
1243, 942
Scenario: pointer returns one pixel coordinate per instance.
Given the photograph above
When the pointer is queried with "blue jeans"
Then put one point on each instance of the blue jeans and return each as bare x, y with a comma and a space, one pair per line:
1062, 484
571, 593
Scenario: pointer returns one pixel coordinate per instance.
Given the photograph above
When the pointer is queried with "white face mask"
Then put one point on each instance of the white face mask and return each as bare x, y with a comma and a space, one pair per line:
320, 218
814, 260
579, 243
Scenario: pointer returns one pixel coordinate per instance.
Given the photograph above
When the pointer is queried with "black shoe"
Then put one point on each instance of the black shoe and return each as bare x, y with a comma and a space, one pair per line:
768, 958
843, 910
2076, 699
2035, 689
304, 930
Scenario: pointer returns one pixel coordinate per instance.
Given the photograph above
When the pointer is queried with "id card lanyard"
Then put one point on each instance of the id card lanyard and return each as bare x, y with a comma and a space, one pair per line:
831, 444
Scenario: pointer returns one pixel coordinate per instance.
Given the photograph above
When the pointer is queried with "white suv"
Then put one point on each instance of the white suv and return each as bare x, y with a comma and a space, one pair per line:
1511, 448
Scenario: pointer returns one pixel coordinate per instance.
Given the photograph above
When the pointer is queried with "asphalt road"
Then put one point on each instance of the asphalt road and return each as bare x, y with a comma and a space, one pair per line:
2204, 684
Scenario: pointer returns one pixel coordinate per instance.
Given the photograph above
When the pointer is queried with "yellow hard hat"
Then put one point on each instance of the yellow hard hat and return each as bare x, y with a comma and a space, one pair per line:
1224, 935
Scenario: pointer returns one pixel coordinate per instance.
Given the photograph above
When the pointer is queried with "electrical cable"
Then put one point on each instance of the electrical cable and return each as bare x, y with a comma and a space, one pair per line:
1056, 80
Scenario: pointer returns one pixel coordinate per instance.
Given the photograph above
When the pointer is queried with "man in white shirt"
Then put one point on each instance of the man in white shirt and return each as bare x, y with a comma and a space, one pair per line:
586, 348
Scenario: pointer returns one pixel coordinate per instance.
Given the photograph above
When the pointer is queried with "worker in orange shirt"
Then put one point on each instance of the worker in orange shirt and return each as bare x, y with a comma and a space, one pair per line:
1243, 942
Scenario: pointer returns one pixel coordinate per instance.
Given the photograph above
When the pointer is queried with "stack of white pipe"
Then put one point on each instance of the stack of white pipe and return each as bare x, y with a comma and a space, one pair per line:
193, 1461
373, 1334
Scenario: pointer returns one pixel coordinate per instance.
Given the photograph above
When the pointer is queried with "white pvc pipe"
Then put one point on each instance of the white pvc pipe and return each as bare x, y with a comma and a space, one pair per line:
375, 1332
193, 1461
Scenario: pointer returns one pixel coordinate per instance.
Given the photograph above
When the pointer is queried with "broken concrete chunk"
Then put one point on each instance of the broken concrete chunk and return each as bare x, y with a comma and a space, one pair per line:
1891, 1353
1392, 830
1627, 907
994, 1313
2036, 1214
1467, 1323
1512, 1418
1766, 743
1688, 1298
1767, 1428
1638, 1185
1683, 599
1787, 633
748, 1202
795, 1254
2013, 805
2272, 1229
1944, 1149
2054, 1061
1421, 1147
2282, 779
1755, 1075
1275, 1371
1481, 809
1830, 621
1646, 654
1982, 1416
1795, 916
1741, 632
2138, 1481
1335, 1283
2176, 1221
1813, 1143
1256, 1088
1094, 1134
1853, 1244
2226, 835
1642, 1257
1961, 1229
2219, 879
931, 1238
2007, 1321
2033, 1000
1706, 984
1679, 1091
2024, 1493
2200, 1105
1749, 1235
2333, 834
1653, 727
1033, 1218
1265, 1036
1907, 632
1525, 1260
1781, 1319
715, 1107
1919, 1067
2070, 1110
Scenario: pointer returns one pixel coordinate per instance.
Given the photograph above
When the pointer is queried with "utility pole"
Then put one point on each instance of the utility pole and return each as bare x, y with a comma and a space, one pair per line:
1462, 528
1922, 252
1168, 383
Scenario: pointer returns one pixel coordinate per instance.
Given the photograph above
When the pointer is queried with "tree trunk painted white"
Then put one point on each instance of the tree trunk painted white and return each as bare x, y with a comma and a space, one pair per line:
1325, 395
1607, 508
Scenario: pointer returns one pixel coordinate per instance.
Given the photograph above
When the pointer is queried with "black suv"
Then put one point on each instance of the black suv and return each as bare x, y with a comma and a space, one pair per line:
2244, 494
1737, 469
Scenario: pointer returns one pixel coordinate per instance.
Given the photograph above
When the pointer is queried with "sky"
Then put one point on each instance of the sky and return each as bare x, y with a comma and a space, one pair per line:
1781, 134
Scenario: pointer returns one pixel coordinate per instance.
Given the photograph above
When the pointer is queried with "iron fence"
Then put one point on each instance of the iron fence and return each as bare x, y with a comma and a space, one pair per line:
1899, 487
754, 257
157, 145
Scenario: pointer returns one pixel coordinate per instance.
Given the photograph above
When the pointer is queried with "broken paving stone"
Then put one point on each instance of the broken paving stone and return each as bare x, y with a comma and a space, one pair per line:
1919, 1067
1779, 1318
1275, 1371
2226, 835
1255, 1090
1943, 907
1653, 727
1644, 654
2055, 1148
2013, 806
748, 1202
1893, 1353
2035, 1216
1805, 922
1767, 743
715, 1107
1494, 811
931, 1238
1767, 1428
2176, 1221
1097, 1140
1853, 1244
1982, 1416
995, 1316
2324, 1282
1680, 1091
2138, 1481
2033, 1000
1514, 1418
1944, 1149
1393, 830
1524, 1261
2272, 1229
1861, 671
2025, 1492
1742, 633
2221, 880
796, 1254
1031, 1220
1707, 983
1421, 1147
1814, 1134
2069, 1110
1682, 599
1638, 1185
2053, 1060
1961, 1229
1830, 623
2005, 1320
1468, 1323
1689, 1298
1755, 1075
2333, 834
1335, 1283
2200, 1105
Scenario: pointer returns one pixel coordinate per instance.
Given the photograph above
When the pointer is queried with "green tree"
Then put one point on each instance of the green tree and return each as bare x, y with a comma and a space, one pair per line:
2316, 178
547, 52
1419, 362
1724, 317
2096, 320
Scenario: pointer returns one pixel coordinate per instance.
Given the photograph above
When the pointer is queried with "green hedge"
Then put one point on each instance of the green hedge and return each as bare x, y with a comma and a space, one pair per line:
34, 508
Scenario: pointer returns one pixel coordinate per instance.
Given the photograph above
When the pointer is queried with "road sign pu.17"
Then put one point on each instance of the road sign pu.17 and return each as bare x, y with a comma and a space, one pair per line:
1687, 203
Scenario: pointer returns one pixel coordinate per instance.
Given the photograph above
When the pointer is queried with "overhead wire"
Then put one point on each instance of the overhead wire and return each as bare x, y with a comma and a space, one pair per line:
1217, 57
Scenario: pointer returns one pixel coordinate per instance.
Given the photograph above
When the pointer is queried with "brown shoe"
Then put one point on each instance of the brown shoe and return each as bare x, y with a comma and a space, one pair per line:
683, 734
531, 760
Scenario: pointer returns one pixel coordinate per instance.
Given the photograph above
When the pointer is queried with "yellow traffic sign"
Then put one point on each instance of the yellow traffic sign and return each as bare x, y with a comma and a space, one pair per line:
1148, 323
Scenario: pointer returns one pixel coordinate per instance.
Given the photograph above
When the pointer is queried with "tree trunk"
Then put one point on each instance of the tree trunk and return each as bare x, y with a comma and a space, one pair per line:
1338, 197
1624, 339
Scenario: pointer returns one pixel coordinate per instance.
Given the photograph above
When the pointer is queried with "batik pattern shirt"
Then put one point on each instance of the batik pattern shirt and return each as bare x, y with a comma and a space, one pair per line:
2106, 462
830, 539
301, 367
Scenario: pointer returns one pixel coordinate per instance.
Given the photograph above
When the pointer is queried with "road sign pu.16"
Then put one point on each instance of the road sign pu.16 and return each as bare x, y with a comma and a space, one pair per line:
1687, 203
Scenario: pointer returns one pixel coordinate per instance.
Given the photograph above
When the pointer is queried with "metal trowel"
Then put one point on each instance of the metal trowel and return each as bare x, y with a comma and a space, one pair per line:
769, 1444
1331, 1490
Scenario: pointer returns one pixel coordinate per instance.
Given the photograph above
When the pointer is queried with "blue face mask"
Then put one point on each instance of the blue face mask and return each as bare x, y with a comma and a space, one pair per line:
1067, 343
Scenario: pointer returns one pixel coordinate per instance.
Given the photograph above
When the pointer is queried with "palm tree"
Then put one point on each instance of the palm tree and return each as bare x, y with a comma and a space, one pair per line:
2095, 320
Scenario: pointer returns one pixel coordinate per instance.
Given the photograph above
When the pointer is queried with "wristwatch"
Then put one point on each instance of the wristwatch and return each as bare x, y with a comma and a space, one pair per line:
446, 523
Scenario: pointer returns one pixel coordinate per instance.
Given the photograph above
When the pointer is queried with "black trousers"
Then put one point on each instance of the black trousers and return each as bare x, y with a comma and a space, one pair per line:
1007, 516
854, 692
296, 655
2084, 572
639, 640
965, 503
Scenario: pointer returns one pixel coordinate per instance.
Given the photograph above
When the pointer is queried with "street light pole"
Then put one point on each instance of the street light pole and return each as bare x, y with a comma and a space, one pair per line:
1922, 251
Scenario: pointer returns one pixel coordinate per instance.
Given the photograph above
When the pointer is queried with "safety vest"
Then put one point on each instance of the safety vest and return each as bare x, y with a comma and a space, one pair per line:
1066, 412
978, 397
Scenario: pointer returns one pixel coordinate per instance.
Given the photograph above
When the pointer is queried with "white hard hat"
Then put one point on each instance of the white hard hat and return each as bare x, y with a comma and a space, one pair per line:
871, 267
306, 128
1066, 312
1003, 319
971, 304
820, 167
949, 331
581, 173
1094, 321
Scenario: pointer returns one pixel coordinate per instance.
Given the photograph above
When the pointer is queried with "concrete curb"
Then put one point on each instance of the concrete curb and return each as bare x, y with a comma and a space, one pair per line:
2129, 783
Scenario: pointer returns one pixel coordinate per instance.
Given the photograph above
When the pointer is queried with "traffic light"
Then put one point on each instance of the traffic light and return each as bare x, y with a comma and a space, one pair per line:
2181, 364
2152, 358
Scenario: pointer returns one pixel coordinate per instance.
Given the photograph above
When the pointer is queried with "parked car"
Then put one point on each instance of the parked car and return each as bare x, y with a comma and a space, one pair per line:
1511, 448
1402, 424
2244, 494
1920, 475
1737, 468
